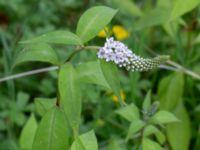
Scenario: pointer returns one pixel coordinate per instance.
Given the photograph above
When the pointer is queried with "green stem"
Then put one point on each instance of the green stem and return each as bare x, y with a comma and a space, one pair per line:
79, 49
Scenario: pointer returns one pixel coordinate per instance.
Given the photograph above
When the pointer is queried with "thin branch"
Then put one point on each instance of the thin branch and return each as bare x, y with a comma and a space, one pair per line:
174, 64
28, 73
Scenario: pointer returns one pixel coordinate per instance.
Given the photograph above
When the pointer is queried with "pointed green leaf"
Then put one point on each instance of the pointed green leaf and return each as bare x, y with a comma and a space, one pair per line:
179, 132
147, 101
37, 52
129, 112
86, 141
56, 37
170, 91
43, 105
148, 144
128, 6
181, 7
52, 132
91, 72
135, 126
163, 117
70, 99
150, 129
93, 21
28, 133
111, 75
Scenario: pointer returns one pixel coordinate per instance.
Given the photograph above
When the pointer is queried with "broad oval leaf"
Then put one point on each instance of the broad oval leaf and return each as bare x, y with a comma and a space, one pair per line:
28, 133
70, 98
147, 102
56, 37
86, 141
91, 72
43, 105
37, 52
52, 132
93, 21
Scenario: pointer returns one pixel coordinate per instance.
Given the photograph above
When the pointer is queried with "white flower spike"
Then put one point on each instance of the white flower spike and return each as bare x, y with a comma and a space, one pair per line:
119, 53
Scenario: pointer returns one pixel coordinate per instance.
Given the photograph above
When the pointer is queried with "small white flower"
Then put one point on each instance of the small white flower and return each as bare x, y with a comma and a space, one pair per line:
119, 53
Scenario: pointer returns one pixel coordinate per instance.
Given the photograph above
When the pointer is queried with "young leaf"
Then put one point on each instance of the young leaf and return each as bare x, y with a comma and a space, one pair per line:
128, 6
135, 126
150, 129
148, 144
163, 117
56, 37
111, 75
183, 6
70, 99
147, 102
91, 72
93, 21
129, 112
52, 132
28, 133
179, 132
43, 105
37, 52
86, 141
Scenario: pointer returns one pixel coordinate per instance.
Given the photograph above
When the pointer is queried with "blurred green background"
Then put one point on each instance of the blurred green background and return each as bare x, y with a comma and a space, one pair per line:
169, 27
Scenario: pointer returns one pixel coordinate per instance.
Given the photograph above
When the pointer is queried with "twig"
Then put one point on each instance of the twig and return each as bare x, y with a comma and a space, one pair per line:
177, 66
28, 73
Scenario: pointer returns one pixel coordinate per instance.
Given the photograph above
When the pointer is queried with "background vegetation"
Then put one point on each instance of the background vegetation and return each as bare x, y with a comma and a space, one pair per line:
148, 27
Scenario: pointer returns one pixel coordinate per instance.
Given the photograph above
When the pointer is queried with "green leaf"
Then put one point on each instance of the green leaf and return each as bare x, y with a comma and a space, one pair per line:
170, 91
91, 72
43, 105
86, 141
56, 37
37, 52
129, 112
52, 132
181, 7
93, 21
147, 102
128, 6
70, 98
111, 75
179, 132
156, 16
135, 126
28, 133
150, 129
163, 117
148, 144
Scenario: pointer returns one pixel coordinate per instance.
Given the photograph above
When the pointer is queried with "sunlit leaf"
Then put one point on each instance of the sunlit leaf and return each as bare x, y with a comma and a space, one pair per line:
56, 37
163, 117
93, 21
52, 132
28, 133
86, 141
70, 98
37, 52
42, 105
129, 112
91, 72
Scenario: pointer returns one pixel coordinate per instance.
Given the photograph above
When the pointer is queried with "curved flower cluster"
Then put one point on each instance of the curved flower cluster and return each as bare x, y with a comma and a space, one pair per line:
119, 53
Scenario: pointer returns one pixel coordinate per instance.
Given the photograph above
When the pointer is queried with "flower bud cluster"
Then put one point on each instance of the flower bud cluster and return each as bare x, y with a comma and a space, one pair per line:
119, 53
